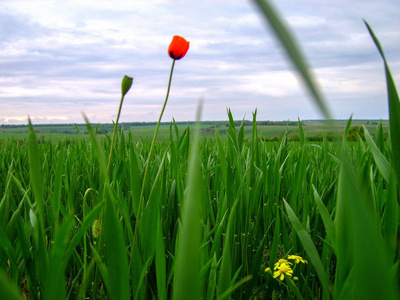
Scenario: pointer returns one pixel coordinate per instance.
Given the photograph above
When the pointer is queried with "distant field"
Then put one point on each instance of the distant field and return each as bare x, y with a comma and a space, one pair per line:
268, 130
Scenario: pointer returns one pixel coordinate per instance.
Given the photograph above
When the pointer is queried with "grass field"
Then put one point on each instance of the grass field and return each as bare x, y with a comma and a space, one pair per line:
245, 183
268, 130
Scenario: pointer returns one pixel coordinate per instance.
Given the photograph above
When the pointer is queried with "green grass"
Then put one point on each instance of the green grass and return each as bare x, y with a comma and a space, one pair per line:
244, 226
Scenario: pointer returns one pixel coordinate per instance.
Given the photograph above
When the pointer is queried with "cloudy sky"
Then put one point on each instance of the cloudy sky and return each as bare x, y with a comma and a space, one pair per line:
61, 58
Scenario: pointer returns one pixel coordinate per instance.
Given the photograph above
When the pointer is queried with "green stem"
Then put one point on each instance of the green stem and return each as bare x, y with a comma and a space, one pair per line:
294, 288
154, 138
108, 181
141, 200
113, 137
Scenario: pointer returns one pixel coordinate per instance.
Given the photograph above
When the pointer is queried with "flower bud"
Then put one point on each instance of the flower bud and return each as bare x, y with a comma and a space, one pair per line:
126, 84
178, 47
96, 228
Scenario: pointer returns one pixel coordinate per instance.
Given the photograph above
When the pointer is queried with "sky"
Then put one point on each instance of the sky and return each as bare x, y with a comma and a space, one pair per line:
61, 58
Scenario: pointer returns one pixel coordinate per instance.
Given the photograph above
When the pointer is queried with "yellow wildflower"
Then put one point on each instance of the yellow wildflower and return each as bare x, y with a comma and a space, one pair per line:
297, 259
268, 269
281, 262
282, 270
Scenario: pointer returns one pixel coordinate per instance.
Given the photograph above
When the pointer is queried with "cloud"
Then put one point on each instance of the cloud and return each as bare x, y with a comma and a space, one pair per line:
60, 58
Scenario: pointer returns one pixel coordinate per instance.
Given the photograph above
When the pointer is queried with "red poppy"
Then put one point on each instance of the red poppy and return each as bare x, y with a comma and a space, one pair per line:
178, 47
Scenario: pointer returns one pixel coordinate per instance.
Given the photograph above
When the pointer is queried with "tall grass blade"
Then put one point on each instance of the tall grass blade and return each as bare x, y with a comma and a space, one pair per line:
380, 160
9, 251
187, 268
55, 276
56, 199
362, 260
225, 274
161, 272
151, 215
394, 107
311, 251
293, 51
35, 176
390, 220
326, 219
116, 253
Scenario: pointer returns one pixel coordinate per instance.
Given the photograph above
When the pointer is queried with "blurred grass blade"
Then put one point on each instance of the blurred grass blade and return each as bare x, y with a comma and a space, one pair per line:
116, 252
310, 249
284, 35
394, 107
187, 268
161, 273
360, 244
8, 289
55, 276
390, 221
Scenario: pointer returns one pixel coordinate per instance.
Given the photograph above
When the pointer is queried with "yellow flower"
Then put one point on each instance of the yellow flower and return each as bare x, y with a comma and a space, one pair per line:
268, 269
281, 262
297, 259
283, 270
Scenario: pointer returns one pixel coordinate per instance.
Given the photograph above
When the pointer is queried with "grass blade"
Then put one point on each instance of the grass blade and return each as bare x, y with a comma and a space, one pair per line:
8, 289
380, 160
35, 172
286, 38
55, 275
310, 249
326, 218
394, 107
187, 271
116, 253
361, 256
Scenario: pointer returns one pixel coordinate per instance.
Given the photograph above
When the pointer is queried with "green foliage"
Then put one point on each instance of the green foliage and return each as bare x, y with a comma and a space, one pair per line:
244, 224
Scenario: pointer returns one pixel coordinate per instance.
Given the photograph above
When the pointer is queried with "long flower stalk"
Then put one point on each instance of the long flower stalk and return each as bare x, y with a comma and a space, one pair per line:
177, 50
146, 170
125, 86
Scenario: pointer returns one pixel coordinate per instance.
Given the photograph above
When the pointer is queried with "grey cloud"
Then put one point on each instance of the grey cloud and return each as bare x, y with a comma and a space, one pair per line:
84, 56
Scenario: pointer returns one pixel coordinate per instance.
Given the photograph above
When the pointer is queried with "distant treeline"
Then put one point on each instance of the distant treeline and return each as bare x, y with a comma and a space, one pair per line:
218, 123
133, 124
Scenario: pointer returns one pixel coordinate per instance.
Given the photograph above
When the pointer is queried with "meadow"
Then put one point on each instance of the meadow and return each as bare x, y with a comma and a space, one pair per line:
245, 227
267, 130
181, 215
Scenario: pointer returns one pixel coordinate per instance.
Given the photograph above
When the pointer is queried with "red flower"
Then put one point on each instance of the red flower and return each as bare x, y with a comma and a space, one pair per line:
178, 47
